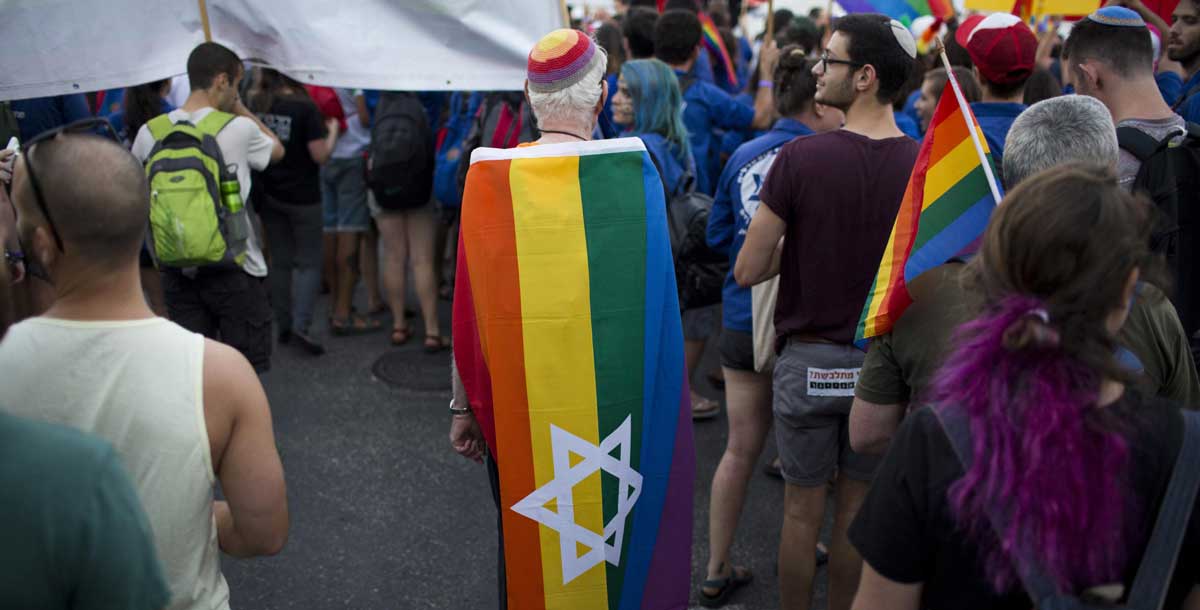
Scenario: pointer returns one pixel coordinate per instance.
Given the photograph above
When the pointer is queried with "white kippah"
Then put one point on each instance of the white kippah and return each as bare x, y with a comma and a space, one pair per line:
905, 38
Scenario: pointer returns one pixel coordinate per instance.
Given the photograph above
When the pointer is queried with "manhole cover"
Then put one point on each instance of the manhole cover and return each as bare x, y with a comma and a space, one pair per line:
410, 369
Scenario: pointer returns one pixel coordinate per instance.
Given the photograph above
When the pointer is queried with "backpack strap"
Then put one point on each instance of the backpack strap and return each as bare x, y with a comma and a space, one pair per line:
1138, 143
214, 122
1153, 578
159, 126
1158, 564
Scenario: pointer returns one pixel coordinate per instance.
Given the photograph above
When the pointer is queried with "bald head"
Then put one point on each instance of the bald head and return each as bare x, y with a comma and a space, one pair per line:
97, 196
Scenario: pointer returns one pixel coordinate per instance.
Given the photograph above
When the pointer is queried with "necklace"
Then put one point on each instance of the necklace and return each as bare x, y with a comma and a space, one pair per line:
564, 133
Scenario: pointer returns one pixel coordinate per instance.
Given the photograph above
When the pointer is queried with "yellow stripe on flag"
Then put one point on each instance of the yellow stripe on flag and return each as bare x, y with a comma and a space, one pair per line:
949, 171
559, 365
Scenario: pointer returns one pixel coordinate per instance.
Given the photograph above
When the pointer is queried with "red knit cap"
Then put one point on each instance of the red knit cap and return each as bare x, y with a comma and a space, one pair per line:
561, 59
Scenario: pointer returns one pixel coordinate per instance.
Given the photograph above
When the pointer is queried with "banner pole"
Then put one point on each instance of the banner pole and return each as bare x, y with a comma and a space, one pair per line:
566, 13
204, 20
770, 21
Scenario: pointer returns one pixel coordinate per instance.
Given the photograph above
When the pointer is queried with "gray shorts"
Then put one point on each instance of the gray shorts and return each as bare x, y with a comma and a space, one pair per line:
344, 196
814, 388
700, 323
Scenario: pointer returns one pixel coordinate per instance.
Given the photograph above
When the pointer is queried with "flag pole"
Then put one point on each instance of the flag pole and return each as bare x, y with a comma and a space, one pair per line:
770, 21
566, 13
966, 114
204, 20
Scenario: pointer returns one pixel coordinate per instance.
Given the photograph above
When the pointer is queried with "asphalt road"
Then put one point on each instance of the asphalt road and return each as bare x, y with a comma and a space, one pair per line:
384, 515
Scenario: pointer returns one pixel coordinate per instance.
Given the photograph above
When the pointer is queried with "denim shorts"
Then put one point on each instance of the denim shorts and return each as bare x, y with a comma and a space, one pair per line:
344, 196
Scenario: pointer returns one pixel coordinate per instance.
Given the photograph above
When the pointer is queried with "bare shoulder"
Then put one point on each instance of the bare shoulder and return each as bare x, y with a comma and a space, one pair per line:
228, 376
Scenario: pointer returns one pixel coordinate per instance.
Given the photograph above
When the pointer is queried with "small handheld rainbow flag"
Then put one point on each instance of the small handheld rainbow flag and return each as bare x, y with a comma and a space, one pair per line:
568, 340
716, 46
945, 209
903, 11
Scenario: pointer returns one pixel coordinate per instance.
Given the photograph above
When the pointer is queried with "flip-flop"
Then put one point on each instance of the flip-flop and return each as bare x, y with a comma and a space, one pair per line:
401, 335
436, 343
354, 325
708, 409
724, 586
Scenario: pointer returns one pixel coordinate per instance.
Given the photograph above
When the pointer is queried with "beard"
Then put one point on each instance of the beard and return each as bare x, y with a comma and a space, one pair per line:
1184, 54
836, 94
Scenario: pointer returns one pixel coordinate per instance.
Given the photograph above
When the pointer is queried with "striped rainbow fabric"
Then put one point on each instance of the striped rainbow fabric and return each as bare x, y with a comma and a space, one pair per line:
945, 209
716, 45
903, 11
568, 339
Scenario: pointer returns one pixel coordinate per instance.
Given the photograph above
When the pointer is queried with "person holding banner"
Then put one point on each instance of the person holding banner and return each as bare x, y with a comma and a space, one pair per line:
827, 206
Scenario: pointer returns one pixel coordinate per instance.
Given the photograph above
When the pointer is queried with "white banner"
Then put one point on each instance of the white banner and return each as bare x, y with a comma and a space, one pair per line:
73, 46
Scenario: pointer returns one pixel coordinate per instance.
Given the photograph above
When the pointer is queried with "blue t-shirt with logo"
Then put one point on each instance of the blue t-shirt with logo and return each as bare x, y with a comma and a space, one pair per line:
734, 206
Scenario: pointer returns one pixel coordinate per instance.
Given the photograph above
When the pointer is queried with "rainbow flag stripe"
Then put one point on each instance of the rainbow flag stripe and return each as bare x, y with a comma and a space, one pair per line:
945, 209
568, 339
716, 45
903, 11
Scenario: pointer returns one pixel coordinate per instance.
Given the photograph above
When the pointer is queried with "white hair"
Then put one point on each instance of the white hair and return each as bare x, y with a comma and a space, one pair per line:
1059, 130
576, 103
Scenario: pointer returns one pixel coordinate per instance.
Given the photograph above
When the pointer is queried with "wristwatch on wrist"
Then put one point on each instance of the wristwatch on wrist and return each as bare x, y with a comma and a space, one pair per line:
458, 410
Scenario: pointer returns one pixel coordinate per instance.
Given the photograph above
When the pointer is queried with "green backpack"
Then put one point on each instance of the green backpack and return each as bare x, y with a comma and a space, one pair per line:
197, 218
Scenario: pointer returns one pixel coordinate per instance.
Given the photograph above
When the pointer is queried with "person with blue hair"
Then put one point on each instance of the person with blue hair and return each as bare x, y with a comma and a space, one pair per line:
649, 104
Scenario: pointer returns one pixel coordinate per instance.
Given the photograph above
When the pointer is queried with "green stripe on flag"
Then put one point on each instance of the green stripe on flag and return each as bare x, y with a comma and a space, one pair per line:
964, 194
614, 218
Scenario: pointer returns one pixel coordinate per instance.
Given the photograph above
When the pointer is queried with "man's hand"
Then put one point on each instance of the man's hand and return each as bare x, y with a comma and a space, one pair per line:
768, 59
333, 126
467, 438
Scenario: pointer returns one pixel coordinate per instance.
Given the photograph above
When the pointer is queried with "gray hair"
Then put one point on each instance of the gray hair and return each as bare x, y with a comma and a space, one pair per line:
1059, 130
574, 104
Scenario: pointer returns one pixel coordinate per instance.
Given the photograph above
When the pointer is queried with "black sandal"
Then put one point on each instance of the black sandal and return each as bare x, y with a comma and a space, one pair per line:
724, 586
436, 343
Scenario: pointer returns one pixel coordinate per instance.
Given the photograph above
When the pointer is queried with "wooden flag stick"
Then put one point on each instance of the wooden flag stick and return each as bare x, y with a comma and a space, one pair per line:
566, 12
204, 20
966, 114
770, 22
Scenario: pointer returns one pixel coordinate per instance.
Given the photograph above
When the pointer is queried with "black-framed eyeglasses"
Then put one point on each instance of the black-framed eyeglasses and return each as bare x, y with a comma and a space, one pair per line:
826, 60
97, 127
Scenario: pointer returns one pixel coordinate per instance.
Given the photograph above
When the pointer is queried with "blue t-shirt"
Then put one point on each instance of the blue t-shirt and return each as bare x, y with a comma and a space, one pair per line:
995, 119
672, 166
117, 120
1170, 85
1189, 107
906, 124
703, 68
37, 115
734, 207
732, 139
707, 108
606, 113
910, 109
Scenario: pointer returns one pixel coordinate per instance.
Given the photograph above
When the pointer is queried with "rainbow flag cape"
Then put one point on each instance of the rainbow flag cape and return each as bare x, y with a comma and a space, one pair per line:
903, 11
946, 207
568, 340
716, 47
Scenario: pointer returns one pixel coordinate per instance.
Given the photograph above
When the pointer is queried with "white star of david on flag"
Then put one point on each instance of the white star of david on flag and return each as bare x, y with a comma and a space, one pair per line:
561, 490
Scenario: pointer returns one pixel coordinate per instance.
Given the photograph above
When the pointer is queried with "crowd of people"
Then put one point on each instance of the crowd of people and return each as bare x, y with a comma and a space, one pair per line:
1038, 377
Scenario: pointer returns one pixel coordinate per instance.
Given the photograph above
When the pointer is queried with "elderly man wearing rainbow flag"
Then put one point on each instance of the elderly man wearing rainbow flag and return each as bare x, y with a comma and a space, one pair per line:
568, 351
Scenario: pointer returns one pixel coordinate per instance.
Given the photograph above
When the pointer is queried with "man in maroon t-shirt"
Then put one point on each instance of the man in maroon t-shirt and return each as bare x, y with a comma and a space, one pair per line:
828, 205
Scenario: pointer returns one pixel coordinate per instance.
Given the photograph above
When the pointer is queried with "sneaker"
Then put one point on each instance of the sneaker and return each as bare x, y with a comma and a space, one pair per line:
309, 344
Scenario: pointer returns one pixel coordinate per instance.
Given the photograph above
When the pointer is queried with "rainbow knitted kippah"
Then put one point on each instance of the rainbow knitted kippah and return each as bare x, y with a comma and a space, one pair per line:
560, 59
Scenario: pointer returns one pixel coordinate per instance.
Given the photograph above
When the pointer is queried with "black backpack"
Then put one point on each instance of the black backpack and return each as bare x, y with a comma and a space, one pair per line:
1170, 177
1153, 579
699, 271
400, 159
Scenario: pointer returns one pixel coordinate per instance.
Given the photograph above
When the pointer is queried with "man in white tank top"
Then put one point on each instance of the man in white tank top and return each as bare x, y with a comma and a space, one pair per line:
181, 411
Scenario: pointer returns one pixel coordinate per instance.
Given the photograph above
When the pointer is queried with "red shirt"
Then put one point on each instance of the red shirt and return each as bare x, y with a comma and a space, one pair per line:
838, 192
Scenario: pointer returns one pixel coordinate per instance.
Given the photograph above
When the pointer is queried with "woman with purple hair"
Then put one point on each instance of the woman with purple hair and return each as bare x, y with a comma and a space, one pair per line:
1073, 458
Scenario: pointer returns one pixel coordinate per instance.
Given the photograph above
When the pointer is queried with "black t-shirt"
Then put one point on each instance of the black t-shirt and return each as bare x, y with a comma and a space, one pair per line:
905, 532
297, 121
838, 192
